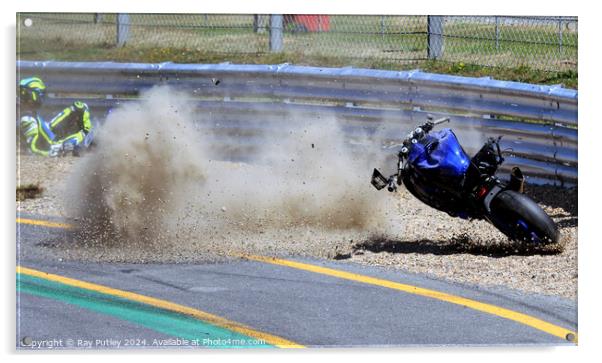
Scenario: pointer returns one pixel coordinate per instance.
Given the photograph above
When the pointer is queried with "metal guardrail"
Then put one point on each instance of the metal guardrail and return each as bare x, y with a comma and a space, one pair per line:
538, 123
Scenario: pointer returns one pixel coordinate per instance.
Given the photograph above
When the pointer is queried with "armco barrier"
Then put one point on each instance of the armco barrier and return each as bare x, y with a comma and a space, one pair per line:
538, 123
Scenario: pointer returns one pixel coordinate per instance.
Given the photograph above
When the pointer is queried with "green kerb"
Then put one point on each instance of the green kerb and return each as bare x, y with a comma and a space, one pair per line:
160, 320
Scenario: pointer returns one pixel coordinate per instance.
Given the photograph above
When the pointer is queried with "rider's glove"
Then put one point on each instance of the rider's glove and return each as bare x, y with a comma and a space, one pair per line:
55, 150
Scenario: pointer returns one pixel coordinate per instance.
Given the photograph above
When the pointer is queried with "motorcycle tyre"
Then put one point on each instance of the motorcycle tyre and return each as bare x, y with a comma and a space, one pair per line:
510, 208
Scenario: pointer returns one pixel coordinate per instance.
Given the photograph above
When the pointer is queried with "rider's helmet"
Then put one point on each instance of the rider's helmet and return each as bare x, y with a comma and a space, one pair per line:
31, 91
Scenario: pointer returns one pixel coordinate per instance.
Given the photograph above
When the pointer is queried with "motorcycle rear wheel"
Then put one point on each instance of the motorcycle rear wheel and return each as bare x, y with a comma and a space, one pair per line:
520, 218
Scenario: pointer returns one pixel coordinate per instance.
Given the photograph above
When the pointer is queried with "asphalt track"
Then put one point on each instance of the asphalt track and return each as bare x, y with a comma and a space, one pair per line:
260, 301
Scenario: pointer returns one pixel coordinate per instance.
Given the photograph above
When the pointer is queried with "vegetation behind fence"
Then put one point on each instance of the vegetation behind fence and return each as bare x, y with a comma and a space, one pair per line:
541, 43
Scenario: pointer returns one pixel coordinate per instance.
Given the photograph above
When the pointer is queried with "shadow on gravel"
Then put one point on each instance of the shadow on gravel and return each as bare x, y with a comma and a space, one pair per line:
457, 245
554, 197
566, 223
564, 202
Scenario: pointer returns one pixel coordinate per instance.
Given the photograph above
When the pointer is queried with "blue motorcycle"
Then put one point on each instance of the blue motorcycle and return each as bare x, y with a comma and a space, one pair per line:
434, 167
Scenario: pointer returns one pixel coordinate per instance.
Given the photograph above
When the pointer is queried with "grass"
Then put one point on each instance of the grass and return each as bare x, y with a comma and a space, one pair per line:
568, 78
28, 191
524, 53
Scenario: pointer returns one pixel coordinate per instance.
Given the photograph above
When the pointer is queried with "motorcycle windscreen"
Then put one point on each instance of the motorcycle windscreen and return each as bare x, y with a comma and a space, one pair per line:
440, 155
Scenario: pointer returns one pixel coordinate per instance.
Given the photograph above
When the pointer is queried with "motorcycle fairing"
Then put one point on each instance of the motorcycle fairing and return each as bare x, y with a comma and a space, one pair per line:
434, 195
439, 155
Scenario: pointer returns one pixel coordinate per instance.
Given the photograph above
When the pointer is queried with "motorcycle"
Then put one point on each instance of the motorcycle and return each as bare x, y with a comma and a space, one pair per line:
434, 167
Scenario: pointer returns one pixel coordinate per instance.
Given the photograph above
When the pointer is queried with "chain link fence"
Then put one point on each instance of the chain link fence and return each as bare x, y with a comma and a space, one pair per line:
545, 43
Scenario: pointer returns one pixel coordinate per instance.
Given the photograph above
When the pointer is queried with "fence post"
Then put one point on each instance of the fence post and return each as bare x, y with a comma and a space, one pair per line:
259, 23
560, 35
276, 33
497, 33
435, 37
123, 29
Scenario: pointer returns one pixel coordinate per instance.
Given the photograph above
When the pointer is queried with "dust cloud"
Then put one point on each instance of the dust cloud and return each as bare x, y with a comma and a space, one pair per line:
157, 187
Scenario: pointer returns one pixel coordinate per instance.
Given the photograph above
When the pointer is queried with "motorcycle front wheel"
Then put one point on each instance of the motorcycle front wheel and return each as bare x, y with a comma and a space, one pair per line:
520, 218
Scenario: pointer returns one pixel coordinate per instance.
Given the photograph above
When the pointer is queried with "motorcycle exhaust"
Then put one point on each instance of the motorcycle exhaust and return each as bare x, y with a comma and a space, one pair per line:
517, 180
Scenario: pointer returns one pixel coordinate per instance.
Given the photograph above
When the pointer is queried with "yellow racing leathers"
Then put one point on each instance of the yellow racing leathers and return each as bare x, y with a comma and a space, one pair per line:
68, 128
37, 134
72, 124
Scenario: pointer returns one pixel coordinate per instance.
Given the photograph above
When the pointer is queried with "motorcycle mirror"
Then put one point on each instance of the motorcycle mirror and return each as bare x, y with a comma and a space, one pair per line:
378, 180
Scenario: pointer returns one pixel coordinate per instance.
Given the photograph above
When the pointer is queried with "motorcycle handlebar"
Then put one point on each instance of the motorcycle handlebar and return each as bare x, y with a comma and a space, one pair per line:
430, 124
441, 120
423, 129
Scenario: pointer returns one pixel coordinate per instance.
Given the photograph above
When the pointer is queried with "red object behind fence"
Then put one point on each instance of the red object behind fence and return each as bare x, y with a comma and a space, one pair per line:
310, 23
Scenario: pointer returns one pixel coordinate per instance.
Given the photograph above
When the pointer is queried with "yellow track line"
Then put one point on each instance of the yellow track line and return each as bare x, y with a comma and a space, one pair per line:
166, 305
37, 222
458, 300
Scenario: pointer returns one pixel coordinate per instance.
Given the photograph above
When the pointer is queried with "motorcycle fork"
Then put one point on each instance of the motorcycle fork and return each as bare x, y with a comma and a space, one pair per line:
400, 166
